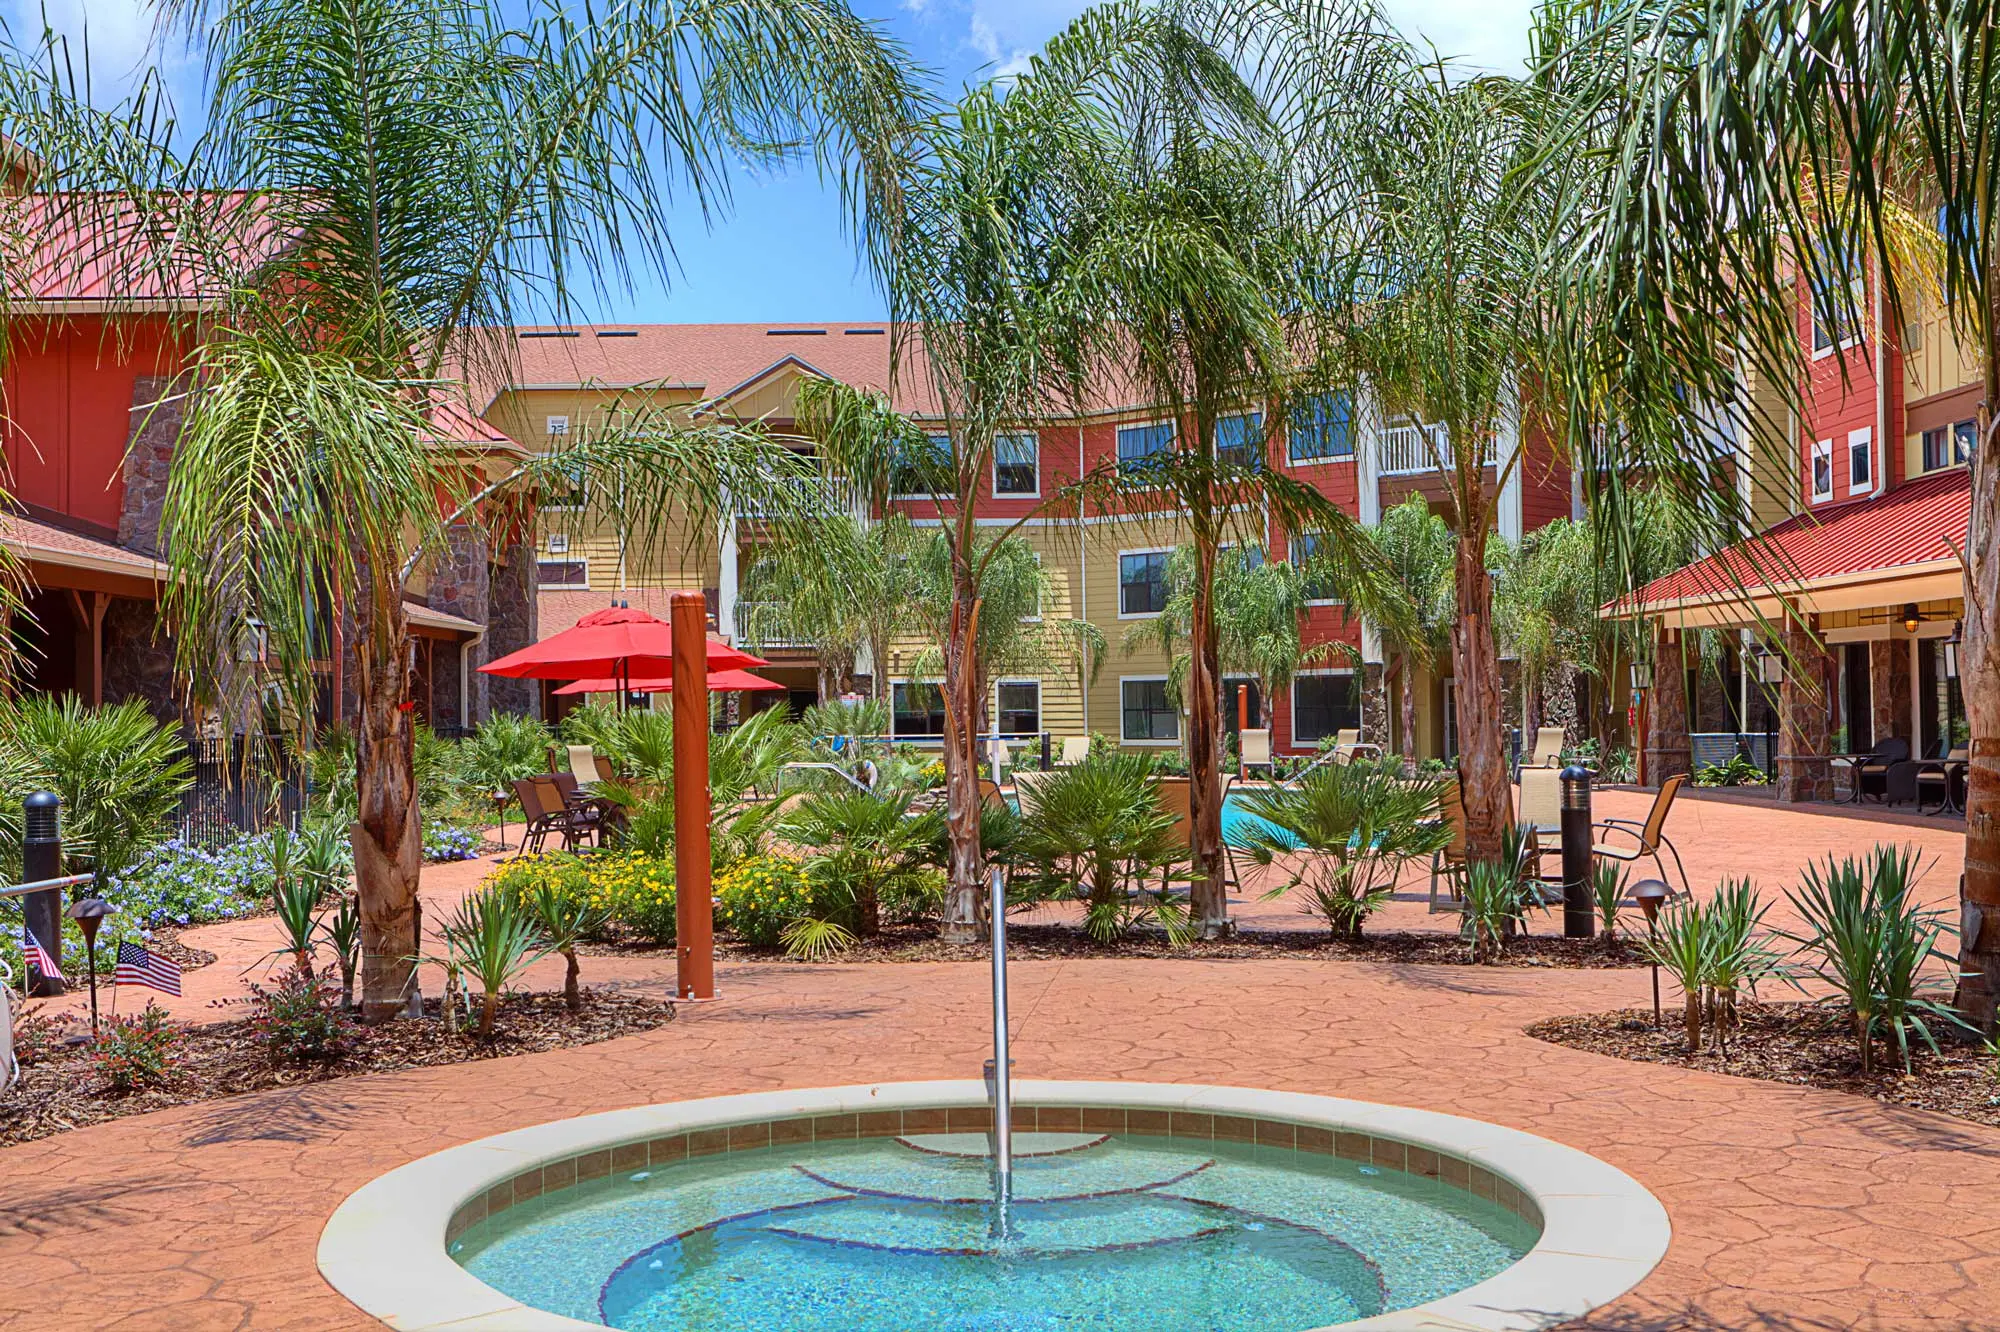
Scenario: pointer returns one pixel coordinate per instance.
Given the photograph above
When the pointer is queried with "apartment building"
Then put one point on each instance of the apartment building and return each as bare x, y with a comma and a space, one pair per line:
1108, 567
1841, 617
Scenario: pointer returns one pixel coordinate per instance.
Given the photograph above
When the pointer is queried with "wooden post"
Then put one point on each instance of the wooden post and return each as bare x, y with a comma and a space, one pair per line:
694, 910
1242, 724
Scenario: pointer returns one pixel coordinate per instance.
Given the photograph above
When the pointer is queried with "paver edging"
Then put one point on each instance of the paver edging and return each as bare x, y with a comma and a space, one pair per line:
385, 1247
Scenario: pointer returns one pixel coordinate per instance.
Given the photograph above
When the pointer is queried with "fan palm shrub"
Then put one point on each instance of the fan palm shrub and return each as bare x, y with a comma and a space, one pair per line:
504, 748
121, 775
1348, 830
864, 848
1097, 830
742, 761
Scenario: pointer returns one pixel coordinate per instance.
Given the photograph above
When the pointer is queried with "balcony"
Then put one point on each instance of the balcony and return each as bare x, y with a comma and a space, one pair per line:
1407, 450
763, 625
815, 495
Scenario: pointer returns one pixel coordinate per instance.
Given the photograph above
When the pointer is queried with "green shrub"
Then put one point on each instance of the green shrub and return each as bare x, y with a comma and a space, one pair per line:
633, 889
300, 1020
134, 1053
1098, 830
120, 773
759, 897
1739, 771
504, 748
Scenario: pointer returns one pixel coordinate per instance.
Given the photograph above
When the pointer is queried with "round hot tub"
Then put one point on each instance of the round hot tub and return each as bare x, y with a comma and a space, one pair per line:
1135, 1208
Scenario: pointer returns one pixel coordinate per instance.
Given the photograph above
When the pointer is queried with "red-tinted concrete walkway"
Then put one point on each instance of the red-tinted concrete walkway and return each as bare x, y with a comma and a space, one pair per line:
1792, 1208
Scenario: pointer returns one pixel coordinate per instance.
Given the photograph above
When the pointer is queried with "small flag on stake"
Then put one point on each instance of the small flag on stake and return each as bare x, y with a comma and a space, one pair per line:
38, 956
136, 966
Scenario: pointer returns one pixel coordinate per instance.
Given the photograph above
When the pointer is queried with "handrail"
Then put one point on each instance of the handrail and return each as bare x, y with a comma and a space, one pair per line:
44, 885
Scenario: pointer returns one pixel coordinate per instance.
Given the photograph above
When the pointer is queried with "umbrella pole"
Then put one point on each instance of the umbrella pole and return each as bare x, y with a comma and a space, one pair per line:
694, 909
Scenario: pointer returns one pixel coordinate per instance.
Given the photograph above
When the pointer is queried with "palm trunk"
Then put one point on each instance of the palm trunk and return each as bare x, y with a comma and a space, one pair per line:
1482, 766
961, 766
1979, 678
1409, 692
1692, 1020
387, 835
1208, 895
572, 992
489, 1005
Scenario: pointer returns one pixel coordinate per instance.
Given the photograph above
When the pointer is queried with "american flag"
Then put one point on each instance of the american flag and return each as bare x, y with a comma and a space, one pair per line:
38, 956
136, 966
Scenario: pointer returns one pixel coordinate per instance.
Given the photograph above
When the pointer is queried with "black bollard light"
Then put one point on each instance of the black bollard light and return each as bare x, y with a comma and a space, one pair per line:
1579, 918
1047, 757
88, 915
41, 858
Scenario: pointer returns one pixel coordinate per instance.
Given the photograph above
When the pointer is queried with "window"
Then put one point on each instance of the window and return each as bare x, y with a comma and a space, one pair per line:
1948, 446
573, 495
916, 710
1142, 582
1321, 427
1018, 706
1014, 470
1321, 589
1239, 440
558, 427
558, 543
1822, 469
1147, 715
1830, 328
1141, 446
1860, 460
1324, 703
562, 573
924, 473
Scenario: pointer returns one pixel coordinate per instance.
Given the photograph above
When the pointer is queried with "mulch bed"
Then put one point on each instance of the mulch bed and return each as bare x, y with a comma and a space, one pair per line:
1805, 1044
1046, 942
60, 1090
167, 943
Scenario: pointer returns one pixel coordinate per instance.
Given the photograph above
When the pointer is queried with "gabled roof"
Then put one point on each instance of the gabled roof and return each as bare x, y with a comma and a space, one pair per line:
452, 422
1915, 531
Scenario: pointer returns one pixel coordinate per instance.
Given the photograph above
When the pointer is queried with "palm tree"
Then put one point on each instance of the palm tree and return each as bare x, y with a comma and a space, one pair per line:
1746, 141
1419, 548
411, 173
1545, 602
846, 585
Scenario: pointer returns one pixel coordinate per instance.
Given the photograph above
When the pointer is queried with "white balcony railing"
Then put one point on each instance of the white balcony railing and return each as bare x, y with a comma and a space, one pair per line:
1412, 448
764, 624
813, 495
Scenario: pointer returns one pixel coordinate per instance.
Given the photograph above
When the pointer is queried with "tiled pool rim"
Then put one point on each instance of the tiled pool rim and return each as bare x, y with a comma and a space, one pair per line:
385, 1247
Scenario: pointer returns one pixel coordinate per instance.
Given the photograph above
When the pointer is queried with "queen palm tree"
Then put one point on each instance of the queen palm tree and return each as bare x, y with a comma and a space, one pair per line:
846, 584
398, 179
1745, 142
1418, 546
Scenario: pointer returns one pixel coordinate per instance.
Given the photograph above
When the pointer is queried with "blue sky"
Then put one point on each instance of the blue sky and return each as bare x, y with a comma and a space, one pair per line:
781, 254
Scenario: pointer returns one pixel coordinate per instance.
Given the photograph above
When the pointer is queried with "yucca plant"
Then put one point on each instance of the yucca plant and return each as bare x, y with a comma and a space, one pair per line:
1490, 907
1607, 887
1098, 830
1738, 956
1680, 946
1349, 830
494, 937
565, 920
342, 928
295, 896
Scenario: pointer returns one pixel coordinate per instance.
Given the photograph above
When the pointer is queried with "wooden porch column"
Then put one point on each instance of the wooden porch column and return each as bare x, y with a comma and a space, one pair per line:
90, 608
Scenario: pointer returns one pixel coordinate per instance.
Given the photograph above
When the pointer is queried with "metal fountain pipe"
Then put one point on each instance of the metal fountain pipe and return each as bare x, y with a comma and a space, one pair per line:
1002, 1089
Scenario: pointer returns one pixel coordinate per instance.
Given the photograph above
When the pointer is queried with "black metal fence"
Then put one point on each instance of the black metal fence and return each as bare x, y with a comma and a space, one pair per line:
242, 784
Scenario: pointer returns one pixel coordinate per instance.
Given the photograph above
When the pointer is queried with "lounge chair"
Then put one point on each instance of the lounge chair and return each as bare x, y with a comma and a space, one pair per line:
1868, 774
1075, 749
1256, 750
1028, 784
1650, 835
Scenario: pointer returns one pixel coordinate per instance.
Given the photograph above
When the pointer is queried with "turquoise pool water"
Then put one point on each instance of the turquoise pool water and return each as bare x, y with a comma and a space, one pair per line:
1110, 1234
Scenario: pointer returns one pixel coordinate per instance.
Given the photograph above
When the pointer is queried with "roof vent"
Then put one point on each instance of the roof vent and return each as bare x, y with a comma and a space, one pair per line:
794, 332
617, 332
864, 332
550, 333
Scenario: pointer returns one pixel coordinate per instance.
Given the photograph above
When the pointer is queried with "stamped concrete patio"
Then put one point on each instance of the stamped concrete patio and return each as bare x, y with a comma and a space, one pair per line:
1791, 1208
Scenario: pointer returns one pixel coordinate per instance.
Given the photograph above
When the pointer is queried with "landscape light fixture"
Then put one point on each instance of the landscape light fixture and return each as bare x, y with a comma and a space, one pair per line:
88, 915
1651, 894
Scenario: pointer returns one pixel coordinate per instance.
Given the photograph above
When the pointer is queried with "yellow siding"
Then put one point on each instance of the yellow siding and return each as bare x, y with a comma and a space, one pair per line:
1934, 360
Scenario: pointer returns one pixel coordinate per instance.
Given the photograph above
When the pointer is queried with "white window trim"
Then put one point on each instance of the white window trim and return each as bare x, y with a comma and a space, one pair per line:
1124, 739
895, 680
924, 494
1293, 699
1118, 572
1036, 493
558, 543
1860, 294
1036, 618
540, 586
1173, 434
1821, 448
1863, 438
1017, 682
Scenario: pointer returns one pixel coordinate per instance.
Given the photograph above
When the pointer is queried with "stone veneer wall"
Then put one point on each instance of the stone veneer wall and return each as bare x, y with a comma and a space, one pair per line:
511, 626
1318, 1139
138, 657
461, 584
1889, 692
1805, 772
1375, 705
148, 457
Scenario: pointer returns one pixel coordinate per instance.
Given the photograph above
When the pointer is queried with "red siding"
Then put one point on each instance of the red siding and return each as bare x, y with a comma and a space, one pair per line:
1545, 479
1839, 399
69, 404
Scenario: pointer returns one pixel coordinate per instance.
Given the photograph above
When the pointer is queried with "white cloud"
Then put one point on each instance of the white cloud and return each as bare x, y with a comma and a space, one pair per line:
116, 34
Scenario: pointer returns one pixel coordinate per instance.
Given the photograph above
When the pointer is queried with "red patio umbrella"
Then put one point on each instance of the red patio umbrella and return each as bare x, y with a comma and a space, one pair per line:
719, 682
615, 643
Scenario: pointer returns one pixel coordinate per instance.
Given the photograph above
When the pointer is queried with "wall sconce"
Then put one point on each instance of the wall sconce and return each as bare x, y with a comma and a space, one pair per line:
1911, 617
1951, 649
1770, 666
1642, 675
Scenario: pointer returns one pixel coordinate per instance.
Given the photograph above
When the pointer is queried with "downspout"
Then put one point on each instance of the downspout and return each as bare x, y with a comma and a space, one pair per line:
1881, 478
1083, 583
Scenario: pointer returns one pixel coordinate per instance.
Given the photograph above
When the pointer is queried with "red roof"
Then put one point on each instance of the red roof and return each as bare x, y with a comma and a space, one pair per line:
93, 249
32, 540
1920, 522
560, 609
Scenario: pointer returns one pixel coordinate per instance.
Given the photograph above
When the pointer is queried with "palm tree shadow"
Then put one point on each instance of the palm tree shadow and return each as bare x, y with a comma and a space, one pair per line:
1689, 1316
77, 1208
303, 1114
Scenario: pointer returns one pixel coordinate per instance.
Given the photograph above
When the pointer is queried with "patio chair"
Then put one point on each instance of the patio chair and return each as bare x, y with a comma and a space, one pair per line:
583, 766
587, 812
1028, 784
1177, 798
1075, 749
1868, 774
1943, 781
543, 809
1548, 748
1650, 835
1349, 746
1448, 861
989, 792
1541, 811
1256, 750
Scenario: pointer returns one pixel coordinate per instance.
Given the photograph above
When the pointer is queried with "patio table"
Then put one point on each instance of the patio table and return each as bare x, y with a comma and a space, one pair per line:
1951, 774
